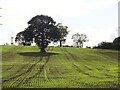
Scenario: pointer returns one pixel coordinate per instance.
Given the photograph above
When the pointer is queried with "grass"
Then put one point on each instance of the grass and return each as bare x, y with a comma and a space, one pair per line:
25, 67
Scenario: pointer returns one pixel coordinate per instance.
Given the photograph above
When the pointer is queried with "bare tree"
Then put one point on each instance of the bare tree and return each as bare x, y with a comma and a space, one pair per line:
79, 39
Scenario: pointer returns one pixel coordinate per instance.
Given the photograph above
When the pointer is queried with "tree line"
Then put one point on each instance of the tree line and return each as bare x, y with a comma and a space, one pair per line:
110, 45
43, 30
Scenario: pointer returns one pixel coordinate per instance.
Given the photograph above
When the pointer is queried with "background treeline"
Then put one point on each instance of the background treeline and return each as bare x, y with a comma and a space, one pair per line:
110, 45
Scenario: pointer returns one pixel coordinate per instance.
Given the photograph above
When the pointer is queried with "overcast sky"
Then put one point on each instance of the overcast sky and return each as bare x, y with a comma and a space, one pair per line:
96, 18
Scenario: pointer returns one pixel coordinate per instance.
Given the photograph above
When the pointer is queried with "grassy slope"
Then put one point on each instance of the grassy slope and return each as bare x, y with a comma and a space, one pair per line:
60, 67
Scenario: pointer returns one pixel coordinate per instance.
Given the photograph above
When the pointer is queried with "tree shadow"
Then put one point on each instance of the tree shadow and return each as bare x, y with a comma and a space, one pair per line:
37, 54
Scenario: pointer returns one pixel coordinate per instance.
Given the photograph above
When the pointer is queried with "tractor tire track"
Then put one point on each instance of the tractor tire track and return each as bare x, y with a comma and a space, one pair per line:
28, 70
25, 73
83, 72
7, 69
68, 55
20, 69
88, 67
74, 57
39, 71
68, 58
41, 68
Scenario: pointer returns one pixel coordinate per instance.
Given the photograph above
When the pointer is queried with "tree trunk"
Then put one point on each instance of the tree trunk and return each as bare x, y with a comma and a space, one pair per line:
82, 44
42, 42
60, 43
42, 50
77, 45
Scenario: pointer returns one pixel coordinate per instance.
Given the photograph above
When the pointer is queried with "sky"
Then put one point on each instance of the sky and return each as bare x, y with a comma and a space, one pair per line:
98, 19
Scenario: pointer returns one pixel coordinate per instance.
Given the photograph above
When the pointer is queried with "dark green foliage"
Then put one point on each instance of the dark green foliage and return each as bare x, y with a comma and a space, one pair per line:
24, 38
116, 43
110, 45
105, 45
42, 30
63, 32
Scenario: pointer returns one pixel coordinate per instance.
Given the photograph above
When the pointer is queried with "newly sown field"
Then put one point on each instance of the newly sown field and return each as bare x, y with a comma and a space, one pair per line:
25, 67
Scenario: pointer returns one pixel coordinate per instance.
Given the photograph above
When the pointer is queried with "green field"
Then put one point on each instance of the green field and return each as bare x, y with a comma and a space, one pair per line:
25, 67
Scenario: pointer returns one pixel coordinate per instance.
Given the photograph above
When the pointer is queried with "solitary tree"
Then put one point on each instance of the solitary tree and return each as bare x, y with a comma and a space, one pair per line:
42, 30
79, 39
63, 32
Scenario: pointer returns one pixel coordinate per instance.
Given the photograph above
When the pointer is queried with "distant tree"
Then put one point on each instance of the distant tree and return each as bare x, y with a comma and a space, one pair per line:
42, 30
110, 45
116, 43
7, 43
105, 45
63, 32
79, 39
88, 47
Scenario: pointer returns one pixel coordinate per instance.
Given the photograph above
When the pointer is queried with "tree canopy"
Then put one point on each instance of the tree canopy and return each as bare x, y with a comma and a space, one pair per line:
63, 32
42, 30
